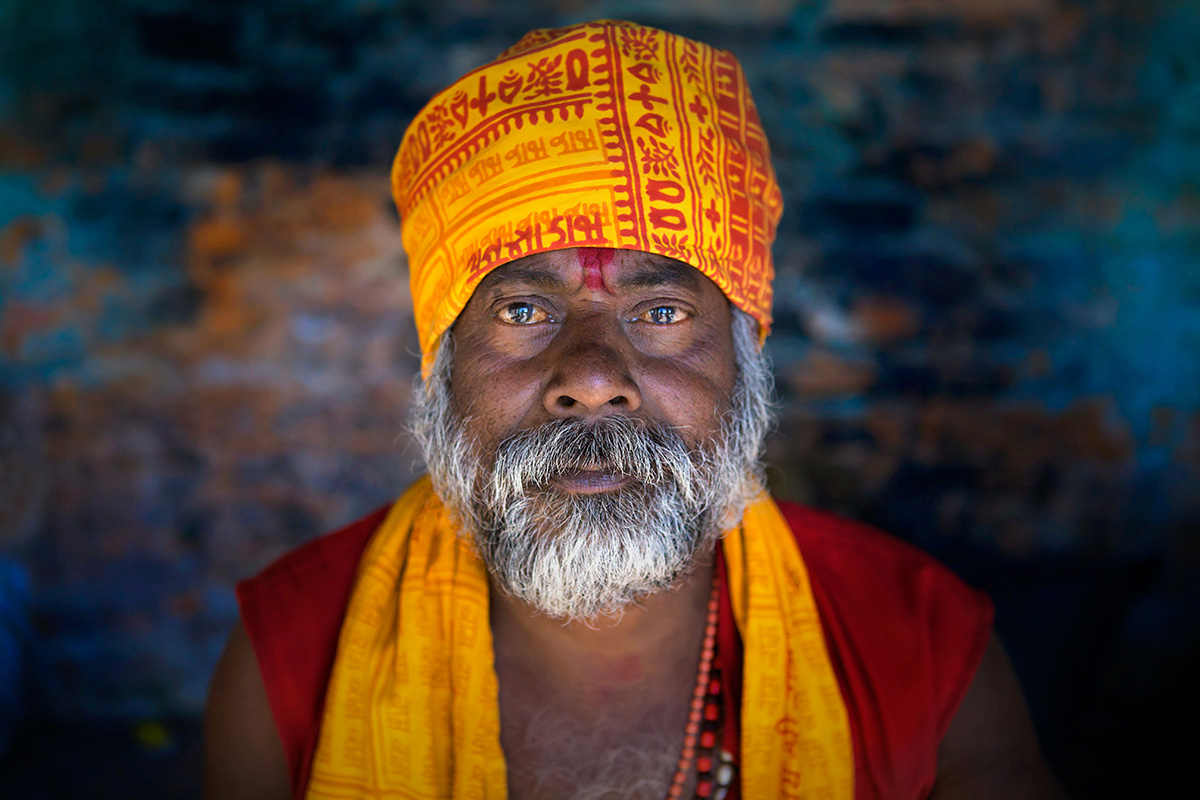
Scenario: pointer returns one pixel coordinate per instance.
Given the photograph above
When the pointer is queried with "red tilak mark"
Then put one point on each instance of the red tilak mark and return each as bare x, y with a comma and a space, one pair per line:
593, 260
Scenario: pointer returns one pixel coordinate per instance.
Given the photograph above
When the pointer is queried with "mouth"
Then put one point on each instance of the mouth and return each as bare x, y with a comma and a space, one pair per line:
591, 481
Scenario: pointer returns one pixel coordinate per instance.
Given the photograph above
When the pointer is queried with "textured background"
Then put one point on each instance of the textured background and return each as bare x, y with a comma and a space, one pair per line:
988, 336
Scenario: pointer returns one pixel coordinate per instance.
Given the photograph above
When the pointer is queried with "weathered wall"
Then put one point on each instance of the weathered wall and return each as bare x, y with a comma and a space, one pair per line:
988, 301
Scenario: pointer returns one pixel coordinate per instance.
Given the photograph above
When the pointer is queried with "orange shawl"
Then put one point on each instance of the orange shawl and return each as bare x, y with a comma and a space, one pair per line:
411, 709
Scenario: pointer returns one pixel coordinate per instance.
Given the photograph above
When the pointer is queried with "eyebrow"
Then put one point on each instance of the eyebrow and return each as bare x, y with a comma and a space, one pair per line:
651, 274
513, 273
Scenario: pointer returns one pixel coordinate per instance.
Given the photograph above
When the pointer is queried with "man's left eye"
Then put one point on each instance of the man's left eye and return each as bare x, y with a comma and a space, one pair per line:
665, 315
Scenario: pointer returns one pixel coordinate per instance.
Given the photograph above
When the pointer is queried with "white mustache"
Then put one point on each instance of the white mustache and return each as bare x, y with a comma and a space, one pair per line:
646, 452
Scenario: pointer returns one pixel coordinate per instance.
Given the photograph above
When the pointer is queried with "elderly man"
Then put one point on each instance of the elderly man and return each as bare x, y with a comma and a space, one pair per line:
592, 596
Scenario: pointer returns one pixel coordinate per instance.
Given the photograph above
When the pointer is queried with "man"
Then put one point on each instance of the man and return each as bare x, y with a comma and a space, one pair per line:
592, 596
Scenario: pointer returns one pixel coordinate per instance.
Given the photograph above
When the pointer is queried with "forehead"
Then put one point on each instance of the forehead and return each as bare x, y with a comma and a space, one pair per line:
595, 268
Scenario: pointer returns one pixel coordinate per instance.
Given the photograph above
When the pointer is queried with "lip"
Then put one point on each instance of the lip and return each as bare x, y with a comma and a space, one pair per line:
591, 481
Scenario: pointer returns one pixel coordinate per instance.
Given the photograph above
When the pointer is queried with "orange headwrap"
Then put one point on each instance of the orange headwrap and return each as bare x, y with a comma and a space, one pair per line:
604, 134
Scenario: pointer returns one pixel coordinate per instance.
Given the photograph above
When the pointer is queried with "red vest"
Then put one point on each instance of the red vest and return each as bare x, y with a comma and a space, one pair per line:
904, 635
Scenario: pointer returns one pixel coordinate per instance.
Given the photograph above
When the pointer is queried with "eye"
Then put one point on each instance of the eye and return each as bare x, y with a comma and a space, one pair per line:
665, 315
522, 313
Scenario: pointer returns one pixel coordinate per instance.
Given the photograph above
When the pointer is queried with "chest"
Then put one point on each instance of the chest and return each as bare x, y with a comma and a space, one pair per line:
554, 751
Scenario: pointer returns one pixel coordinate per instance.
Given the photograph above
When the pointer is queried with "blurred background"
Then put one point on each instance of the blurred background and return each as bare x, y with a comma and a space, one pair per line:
987, 339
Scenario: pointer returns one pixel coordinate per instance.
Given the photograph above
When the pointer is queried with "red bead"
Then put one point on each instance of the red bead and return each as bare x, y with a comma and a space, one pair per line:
711, 712
708, 739
704, 789
704, 764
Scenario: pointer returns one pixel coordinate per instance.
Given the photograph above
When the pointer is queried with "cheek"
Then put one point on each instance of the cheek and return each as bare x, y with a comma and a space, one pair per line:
694, 399
493, 393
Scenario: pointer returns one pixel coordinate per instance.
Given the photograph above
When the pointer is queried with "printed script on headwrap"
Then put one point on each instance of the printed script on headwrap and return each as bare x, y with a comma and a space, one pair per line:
605, 134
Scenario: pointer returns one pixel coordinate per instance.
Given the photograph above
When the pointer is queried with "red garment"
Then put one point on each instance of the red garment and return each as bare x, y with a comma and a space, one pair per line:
905, 637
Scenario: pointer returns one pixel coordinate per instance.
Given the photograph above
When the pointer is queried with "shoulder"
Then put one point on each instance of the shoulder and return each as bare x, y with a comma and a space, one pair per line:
906, 637
856, 566
291, 615
882, 596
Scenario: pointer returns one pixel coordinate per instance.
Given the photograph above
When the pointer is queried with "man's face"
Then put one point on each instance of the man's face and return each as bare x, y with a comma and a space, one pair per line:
589, 424
588, 334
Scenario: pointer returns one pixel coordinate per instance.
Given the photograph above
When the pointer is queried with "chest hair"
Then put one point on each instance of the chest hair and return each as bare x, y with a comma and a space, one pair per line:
552, 755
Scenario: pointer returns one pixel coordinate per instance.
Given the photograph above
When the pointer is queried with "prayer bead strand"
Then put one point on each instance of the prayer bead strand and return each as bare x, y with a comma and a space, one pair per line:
697, 716
707, 772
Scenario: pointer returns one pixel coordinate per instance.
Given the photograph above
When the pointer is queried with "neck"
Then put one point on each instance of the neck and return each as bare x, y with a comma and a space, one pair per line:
592, 664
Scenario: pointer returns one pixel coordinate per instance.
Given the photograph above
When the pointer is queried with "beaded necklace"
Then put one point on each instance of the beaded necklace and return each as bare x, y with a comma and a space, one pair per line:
714, 767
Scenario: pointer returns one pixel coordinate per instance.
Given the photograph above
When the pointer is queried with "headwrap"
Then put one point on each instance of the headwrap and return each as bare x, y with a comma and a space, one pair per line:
603, 134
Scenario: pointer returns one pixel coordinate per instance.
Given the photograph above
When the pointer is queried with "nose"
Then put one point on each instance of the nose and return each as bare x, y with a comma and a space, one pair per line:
591, 376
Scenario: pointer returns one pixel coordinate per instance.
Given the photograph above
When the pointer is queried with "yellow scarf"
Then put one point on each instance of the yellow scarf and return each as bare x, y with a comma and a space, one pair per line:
411, 709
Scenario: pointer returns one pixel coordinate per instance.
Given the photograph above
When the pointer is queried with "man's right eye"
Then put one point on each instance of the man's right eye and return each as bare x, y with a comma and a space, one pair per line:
521, 313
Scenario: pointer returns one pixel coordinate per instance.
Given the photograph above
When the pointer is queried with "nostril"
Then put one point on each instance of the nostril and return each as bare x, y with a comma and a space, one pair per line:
566, 401
619, 400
